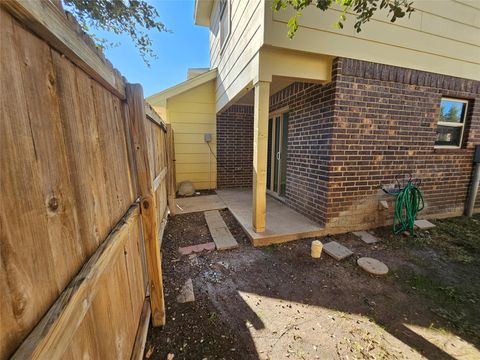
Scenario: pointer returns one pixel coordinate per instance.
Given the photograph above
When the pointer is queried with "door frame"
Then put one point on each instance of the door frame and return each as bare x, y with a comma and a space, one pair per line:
272, 115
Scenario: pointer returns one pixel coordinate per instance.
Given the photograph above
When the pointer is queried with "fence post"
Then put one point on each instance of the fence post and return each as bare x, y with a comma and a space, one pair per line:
148, 206
171, 185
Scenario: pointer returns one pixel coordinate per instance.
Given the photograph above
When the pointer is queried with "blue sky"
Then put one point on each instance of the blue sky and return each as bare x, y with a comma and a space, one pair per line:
185, 47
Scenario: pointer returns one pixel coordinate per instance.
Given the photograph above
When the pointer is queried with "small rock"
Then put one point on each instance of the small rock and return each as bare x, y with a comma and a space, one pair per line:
186, 188
186, 293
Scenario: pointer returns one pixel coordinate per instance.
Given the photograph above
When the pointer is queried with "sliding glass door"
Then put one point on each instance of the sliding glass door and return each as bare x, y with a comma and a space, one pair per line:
277, 153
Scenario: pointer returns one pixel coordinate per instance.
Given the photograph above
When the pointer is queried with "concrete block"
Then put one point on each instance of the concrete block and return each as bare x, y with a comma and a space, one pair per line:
366, 237
196, 248
337, 251
424, 224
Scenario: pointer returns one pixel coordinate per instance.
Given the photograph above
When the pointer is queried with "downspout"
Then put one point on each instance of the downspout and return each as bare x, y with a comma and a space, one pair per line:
472, 194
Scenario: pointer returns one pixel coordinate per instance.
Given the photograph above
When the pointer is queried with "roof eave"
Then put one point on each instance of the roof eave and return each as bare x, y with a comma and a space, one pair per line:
203, 9
183, 86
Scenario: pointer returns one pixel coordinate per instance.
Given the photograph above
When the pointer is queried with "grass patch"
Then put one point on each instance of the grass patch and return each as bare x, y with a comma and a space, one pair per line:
454, 304
458, 239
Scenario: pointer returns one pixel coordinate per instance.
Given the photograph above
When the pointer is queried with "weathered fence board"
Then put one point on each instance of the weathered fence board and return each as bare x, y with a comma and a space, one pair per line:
148, 203
73, 268
50, 24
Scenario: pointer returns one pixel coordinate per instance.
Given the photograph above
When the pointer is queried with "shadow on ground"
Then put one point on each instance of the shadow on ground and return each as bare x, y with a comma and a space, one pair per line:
278, 303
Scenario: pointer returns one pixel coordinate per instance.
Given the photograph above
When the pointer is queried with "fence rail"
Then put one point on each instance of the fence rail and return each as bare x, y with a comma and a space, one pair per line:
86, 181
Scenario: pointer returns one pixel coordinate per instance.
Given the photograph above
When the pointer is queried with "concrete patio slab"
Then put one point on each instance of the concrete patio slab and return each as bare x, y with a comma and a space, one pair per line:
282, 223
222, 237
199, 203
424, 224
366, 237
337, 251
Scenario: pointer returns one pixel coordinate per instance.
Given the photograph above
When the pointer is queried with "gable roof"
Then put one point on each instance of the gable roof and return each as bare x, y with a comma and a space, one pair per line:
184, 86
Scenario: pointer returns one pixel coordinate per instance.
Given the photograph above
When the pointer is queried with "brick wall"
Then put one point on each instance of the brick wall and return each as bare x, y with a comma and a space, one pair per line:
385, 124
310, 123
371, 123
235, 147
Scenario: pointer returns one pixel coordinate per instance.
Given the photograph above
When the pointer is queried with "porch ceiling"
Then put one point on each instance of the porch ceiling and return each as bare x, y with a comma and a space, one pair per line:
278, 83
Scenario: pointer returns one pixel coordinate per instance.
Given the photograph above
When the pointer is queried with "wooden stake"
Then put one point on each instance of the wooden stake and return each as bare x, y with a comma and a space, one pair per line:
148, 204
260, 144
171, 178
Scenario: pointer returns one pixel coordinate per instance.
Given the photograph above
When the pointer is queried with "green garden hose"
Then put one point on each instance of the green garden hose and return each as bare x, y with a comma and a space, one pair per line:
408, 202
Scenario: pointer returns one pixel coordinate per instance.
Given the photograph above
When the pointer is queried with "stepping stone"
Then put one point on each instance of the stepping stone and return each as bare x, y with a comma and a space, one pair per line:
424, 224
372, 266
337, 251
186, 293
196, 248
366, 237
222, 237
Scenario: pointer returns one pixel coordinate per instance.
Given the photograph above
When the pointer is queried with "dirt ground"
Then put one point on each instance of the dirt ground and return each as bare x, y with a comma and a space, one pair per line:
279, 303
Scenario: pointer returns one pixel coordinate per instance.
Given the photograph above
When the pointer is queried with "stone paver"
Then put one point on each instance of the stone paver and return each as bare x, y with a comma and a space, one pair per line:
372, 266
186, 292
222, 237
424, 224
187, 250
366, 237
337, 251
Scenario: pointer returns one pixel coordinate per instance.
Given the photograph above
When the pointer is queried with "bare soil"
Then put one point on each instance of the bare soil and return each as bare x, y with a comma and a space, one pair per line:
279, 303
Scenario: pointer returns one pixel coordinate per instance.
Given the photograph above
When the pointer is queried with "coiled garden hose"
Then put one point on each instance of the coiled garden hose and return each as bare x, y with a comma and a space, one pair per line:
408, 202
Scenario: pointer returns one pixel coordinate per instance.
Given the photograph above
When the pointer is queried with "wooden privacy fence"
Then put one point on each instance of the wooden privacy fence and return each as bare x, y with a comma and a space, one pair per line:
87, 181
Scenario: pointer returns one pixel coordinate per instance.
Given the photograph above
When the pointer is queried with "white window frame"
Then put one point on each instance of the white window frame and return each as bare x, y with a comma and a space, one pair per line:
451, 124
226, 11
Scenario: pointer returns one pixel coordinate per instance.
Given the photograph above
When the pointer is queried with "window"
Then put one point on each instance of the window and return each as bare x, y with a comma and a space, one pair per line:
451, 123
224, 26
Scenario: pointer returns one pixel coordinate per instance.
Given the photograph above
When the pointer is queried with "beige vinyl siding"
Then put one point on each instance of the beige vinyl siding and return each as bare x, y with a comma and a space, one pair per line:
441, 36
192, 114
235, 62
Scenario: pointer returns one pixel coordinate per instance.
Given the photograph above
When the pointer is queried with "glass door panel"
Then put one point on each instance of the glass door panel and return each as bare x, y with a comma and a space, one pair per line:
283, 155
277, 153
269, 154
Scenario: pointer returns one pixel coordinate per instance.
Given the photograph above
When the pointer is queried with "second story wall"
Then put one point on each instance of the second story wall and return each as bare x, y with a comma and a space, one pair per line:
235, 61
441, 36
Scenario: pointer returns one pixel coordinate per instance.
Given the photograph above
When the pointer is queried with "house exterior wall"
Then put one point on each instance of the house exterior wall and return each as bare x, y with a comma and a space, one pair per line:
310, 123
236, 62
371, 123
385, 125
192, 114
235, 147
440, 36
